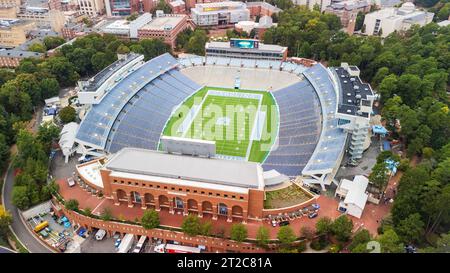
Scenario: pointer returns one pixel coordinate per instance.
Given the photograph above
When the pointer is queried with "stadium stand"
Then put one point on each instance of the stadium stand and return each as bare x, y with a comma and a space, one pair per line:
299, 129
326, 158
98, 129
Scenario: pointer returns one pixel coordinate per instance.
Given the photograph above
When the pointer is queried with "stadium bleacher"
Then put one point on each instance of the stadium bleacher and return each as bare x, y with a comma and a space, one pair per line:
155, 88
299, 129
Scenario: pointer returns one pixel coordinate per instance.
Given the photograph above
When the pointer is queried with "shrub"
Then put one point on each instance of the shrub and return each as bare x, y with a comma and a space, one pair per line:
238, 232
106, 214
191, 225
150, 219
72, 204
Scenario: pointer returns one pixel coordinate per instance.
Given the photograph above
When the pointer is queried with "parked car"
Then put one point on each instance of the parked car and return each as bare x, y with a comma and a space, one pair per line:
100, 234
314, 190
284, 223
312, 215
70, 181
274, 223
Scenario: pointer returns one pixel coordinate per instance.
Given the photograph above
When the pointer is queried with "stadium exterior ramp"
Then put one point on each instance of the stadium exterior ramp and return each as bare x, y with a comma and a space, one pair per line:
327, 156
97, 130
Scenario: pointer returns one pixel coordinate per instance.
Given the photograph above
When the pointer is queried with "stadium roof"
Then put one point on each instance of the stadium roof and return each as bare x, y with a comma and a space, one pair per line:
107, 72
332, 140
353, 90
217, 171
95, 127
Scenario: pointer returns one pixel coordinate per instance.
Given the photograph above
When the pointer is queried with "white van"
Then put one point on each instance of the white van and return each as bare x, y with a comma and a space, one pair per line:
101, 233
140, 244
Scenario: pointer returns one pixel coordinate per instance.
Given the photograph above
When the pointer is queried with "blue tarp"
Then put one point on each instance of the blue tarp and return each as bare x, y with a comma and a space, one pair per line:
377, 129
392, 165
386, 145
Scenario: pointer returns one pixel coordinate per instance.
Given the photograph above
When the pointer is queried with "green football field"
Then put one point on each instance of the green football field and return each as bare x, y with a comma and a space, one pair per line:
228, 117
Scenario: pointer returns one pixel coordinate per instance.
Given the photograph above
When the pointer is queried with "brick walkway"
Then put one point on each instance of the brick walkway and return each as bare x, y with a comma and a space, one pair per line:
328, 207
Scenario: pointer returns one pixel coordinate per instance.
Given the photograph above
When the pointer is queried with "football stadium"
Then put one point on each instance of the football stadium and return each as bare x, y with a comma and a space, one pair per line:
283, 115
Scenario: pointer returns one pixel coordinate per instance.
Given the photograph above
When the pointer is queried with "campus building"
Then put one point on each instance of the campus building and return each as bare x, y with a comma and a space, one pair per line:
322, 4
11, 58
247, 49
347, 12
124, 29
354, 108
91, 7
385, 21
219, 13
13, 32
164, 26
262, 9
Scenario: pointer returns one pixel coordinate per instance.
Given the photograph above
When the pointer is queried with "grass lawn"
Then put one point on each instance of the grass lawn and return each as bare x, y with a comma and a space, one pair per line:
285, 197
228, 119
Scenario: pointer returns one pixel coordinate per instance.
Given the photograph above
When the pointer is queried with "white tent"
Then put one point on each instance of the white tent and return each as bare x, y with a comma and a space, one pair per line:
67, 139
354, 194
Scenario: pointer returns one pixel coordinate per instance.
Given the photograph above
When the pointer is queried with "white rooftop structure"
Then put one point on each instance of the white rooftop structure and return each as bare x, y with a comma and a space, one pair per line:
229, 173
67, 139
164, 22
385, 21
354, 194
91, 172
444, 23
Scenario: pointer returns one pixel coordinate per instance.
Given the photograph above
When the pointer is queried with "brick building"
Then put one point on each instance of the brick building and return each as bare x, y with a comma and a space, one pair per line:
180, 184
11, 58
164, 26
261, 9
347, 12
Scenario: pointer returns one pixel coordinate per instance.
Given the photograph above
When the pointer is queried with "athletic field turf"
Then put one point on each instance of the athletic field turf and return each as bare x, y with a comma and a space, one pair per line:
239, 121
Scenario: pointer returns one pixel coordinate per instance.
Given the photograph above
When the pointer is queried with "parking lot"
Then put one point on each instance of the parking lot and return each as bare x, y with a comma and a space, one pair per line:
106, 245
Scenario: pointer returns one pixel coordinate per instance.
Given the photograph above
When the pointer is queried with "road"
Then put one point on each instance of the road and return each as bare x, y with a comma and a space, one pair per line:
22, 232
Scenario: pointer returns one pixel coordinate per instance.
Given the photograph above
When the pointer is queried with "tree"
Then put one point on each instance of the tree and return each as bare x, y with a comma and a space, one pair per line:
442, 245
20, 197
379, 176
49, 87
206, 228
410, 229
286, 235
37, 47
324, 226
150, 219
4, 153
238, 232
390, 242
106, 214
262, 236
87, 212
361, 237
47, 133
307, 233
153, 47
191, 225
342, 228
196, 43
52, 42
359, 21
5, 221
123, 49
162, 5
63, 70
133, 16
101, 60
67, 114
72, 204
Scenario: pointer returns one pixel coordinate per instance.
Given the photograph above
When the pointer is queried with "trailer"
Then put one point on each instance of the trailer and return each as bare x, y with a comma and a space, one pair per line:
126, 243
171, 248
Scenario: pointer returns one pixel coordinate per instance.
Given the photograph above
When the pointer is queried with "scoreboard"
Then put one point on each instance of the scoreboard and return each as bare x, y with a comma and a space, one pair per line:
244, 43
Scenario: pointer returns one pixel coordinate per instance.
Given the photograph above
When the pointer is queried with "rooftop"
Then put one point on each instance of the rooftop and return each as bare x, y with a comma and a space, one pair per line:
165, 22
261, 47
210, 170
353, 90
19, 53
103, 75
265, 5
